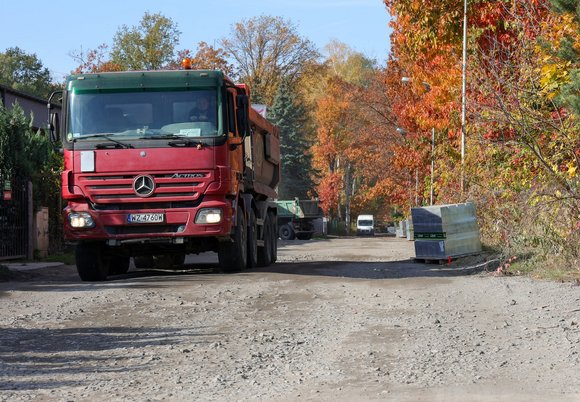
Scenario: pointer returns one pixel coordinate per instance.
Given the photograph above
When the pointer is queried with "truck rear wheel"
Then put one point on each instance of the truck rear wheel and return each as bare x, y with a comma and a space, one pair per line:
233, 255
265, 253
252, 240
91, 265
286, 232
274, 243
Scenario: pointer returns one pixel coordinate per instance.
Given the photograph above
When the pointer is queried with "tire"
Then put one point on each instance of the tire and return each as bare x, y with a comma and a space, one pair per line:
91, 264
119, 264
286, 232
274, 234
265, 253
233, 255
252, 240
143, 261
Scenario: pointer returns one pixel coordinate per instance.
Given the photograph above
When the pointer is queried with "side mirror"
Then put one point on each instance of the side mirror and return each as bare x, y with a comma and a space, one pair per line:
54, 126
53, 119
243, 104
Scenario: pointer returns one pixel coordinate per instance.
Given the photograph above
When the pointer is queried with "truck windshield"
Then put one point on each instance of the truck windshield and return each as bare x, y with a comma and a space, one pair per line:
365, 223
143, 114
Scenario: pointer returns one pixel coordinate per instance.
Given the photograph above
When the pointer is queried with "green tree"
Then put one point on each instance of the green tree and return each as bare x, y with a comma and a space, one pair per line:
22, 151
267, 49
569, 51
291, 117
24, 72
147, 46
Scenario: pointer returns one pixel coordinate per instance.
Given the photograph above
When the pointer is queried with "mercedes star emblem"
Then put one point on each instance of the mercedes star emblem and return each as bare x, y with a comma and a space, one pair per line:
144, 186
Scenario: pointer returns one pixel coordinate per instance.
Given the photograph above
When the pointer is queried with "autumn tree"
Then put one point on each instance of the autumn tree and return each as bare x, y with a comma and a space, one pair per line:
331, 143
522, 136
206, 57
94, 61
344, 146
266, 49
289, 114
147, 46
530, 136
351, 66
25, 72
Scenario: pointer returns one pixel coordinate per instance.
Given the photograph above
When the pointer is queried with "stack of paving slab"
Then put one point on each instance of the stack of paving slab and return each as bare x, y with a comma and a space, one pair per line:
443, 231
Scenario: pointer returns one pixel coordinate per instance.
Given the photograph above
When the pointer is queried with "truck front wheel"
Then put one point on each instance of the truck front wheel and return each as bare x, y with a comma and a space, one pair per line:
286, 232
91, 265
233, 255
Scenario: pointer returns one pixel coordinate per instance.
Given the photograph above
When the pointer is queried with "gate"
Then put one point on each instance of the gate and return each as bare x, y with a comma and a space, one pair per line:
14, 236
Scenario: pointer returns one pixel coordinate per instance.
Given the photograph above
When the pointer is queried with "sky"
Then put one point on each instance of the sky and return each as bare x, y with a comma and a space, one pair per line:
56, 29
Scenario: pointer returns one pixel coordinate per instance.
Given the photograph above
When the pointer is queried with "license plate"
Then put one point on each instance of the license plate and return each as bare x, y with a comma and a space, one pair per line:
145, 218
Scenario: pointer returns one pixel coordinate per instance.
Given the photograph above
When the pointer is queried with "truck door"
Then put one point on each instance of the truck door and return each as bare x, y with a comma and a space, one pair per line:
234, 137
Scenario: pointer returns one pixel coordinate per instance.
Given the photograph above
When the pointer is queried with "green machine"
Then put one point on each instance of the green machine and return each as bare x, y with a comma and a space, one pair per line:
296, 218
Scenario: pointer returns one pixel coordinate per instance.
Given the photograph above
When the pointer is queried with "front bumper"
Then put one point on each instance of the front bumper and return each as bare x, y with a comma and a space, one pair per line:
177, 223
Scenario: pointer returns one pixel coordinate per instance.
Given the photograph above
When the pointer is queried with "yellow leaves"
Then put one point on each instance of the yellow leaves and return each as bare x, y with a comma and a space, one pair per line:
553, 75
572, 170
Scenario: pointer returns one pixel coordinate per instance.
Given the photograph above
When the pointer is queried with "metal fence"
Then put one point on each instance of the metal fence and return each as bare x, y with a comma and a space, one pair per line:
15, 202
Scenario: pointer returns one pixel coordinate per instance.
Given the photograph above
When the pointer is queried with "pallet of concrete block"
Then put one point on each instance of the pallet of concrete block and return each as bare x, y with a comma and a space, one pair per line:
445, 231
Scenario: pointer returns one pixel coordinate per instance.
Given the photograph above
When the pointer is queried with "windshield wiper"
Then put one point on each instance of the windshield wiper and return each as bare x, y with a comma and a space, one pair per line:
178, 140
118, 144
186, 142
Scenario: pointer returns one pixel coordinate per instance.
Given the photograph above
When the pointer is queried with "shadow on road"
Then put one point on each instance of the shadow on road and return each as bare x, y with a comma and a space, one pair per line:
47, 352
372, 270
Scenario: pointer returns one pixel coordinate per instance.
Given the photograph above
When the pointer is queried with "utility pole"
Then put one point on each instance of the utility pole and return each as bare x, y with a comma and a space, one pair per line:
432, 164
463, 96
417, 187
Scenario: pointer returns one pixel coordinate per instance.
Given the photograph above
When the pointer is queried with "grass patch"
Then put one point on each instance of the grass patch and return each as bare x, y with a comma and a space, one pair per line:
65, 258
554, 269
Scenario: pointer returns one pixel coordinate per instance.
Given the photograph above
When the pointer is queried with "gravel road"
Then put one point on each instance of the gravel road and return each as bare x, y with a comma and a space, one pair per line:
343, 319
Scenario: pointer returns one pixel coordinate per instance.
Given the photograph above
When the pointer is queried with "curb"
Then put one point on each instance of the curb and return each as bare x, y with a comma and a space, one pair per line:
29, 266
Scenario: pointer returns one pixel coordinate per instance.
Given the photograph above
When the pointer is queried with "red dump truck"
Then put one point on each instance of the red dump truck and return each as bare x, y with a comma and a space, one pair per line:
161, 164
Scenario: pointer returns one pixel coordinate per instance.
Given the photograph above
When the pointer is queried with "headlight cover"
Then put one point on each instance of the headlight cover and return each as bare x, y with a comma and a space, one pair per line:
209, 216
81, 220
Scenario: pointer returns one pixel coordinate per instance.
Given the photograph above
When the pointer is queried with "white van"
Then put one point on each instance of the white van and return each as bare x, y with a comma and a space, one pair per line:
365, 225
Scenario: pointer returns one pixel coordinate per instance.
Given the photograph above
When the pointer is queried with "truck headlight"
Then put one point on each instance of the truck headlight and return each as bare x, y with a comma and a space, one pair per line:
81, 220
209, 215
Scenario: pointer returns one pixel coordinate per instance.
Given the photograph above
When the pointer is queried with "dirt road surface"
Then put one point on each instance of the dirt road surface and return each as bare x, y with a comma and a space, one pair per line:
351, 319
